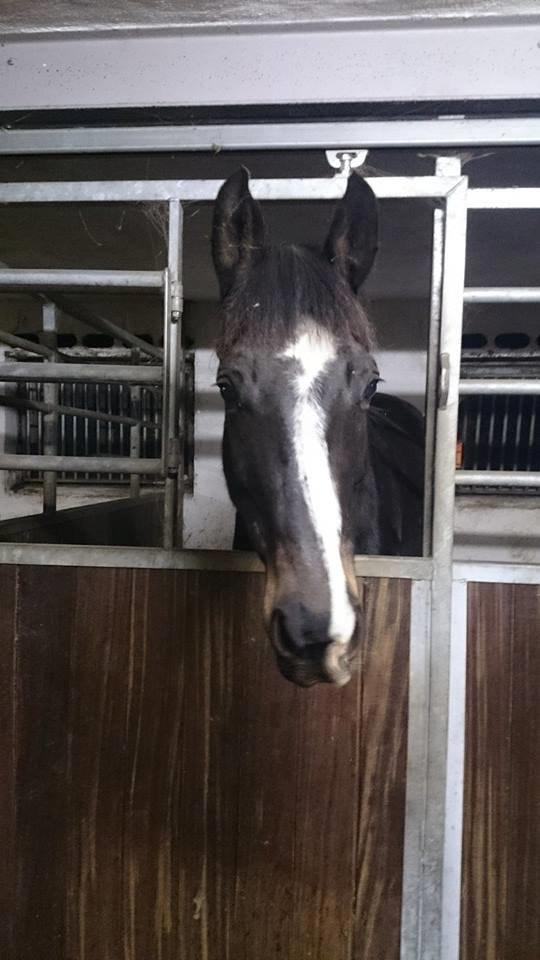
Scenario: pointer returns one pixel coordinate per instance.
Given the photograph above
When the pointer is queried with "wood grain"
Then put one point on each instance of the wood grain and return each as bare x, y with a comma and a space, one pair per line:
501, 850
174, 797
8, 795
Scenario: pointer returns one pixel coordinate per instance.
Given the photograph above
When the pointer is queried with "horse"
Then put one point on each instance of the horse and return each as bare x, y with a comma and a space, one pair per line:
319, 466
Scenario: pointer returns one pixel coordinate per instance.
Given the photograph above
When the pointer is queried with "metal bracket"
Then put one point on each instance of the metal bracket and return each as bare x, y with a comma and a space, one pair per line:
444, 380
345, 161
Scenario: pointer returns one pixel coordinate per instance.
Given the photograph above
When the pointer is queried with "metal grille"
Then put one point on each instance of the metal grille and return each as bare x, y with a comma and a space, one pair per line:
80, 437
497, 432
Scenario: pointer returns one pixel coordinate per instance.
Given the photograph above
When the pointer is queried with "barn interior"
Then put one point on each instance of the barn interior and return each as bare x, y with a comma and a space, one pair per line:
495, 432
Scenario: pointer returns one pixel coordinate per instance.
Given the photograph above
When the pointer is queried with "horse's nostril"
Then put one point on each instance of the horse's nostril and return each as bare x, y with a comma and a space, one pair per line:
283, 637
299, 632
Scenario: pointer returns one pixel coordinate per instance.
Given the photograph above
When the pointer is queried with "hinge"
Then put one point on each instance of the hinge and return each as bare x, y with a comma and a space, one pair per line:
444, 380
177, 300
174, 451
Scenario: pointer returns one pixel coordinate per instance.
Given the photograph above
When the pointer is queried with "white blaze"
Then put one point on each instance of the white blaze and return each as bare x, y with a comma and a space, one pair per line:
313, 350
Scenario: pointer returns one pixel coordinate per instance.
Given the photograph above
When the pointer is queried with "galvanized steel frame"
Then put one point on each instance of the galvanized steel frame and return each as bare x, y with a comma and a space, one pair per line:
174, 193
438, 132
430, 908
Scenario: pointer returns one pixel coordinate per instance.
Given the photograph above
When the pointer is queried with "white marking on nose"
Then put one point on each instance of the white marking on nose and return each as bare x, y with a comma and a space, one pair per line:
313, 350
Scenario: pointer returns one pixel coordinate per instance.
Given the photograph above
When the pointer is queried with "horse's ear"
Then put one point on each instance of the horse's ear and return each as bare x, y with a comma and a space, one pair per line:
352, 241
237, 231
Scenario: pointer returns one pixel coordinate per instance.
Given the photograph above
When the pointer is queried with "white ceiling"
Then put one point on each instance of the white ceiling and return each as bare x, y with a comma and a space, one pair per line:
19, 16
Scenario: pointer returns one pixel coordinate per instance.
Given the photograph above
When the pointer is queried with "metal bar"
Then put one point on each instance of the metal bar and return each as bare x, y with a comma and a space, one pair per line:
477, 426
436, 132
84, 427
432, 372
50, 420
491, 433
135, 430
444, 166
174, 483
455, 767
501, 295
124, 279
491, 572
516, 439
136, 191
504, 198
156, 558
497, 478
83, 314
19, 343
240, 562
416, 779
511, 387
79, 312
20, 403
15, 461
165, 446
80, 372
455, 222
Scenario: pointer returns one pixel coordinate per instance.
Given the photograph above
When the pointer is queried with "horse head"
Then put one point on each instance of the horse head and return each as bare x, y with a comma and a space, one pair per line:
297, 376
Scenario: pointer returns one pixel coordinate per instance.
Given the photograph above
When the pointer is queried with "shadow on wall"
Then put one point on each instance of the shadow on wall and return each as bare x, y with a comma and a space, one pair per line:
124, 523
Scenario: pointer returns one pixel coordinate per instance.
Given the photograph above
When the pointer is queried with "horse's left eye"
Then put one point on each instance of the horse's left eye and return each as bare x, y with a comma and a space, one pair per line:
370, 389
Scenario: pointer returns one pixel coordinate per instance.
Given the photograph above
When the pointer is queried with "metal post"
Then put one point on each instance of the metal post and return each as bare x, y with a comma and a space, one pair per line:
135, 430
174, 367
80, 372
50, 396
455, 221
444, 167
432, 364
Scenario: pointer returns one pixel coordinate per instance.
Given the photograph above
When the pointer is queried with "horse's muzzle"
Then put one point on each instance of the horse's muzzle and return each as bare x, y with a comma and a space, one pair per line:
308, 660
306, 673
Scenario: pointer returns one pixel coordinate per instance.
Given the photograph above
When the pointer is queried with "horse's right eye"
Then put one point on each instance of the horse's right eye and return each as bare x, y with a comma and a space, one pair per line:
229, 393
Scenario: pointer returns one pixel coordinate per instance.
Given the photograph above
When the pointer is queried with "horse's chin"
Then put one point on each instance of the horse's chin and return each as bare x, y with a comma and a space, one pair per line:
308, 673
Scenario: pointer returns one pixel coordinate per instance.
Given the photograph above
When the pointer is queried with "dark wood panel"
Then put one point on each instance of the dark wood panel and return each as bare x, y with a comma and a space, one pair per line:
382, 770
175, 797
8, 798
501, 868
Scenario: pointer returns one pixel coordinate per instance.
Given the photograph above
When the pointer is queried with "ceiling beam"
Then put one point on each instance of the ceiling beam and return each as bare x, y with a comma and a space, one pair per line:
468, 60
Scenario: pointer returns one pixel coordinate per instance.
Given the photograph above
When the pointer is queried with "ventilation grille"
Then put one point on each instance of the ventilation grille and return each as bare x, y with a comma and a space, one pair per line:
499, 432
78, 437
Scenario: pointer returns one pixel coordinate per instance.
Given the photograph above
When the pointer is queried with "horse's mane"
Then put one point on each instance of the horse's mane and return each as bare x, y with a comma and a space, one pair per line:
286, 285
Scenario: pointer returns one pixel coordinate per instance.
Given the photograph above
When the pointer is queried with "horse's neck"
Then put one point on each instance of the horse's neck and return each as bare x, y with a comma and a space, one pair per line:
367, 533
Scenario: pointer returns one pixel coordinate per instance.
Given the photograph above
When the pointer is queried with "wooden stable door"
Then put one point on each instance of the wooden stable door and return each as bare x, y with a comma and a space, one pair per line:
166, 795
501, 828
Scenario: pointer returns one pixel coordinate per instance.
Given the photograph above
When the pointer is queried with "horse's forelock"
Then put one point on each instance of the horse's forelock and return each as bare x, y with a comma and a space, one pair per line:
267, 304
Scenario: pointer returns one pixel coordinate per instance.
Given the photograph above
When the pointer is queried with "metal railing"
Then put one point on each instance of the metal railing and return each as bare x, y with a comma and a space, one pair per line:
445, 188
165, 371
503, 198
